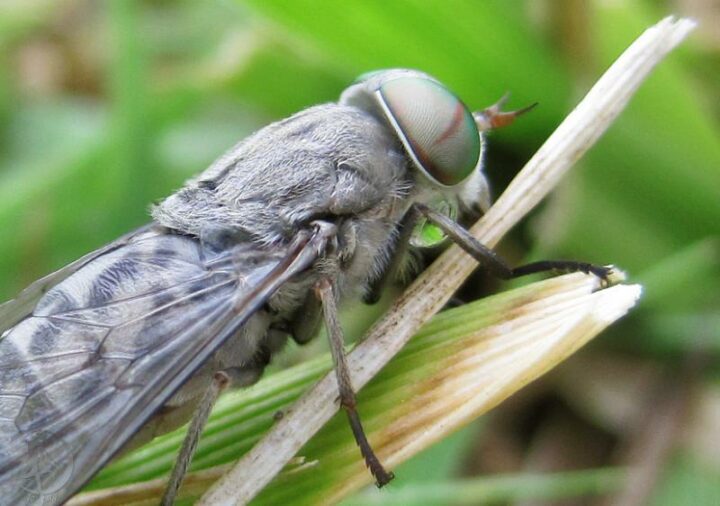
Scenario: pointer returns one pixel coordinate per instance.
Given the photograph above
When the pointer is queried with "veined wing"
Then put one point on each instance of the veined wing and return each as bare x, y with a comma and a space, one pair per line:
21, 306
107, 347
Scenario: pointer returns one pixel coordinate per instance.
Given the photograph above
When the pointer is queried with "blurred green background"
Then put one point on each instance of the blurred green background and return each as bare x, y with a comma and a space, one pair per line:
108, 106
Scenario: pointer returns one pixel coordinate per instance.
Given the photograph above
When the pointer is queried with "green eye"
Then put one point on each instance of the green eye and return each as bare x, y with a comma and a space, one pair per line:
435, 127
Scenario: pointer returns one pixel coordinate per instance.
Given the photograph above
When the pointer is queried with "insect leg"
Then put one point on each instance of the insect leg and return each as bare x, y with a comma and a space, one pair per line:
324, 291
407, 224
495, 264
221, 380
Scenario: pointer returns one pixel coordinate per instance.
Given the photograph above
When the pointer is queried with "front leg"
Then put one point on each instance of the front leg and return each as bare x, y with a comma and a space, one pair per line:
494, 263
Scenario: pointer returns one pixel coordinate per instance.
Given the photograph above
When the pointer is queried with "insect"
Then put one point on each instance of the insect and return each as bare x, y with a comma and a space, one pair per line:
127, 342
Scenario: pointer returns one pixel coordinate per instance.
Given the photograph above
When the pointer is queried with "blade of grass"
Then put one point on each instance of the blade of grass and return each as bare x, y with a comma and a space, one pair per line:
462, 363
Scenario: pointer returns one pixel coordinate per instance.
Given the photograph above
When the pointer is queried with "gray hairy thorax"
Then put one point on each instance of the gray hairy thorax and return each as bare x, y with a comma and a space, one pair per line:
332, 163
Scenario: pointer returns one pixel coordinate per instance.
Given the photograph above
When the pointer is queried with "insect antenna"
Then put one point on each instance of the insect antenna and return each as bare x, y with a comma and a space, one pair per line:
494, 117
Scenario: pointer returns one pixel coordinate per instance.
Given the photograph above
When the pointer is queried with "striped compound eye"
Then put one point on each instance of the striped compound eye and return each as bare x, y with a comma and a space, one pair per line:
437, 130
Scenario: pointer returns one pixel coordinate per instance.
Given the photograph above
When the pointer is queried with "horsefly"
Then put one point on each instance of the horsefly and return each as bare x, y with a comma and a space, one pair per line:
127, 342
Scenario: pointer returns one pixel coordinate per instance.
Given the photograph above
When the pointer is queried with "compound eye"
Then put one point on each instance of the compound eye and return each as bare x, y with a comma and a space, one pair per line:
436, 128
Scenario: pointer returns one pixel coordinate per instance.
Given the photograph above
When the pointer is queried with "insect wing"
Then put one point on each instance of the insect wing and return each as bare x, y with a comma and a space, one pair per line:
107, 347
21, 306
